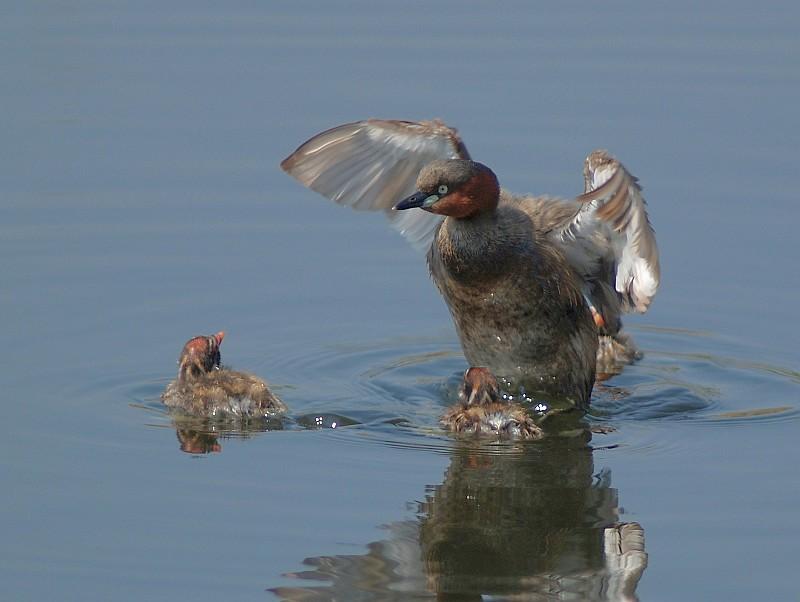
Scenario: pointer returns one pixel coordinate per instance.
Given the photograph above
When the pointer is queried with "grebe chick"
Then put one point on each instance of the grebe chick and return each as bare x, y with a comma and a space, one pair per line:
482, 410
206, 388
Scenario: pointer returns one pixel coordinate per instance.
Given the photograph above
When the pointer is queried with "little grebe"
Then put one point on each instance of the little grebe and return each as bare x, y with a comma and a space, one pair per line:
482, 410
206, 388
532, 283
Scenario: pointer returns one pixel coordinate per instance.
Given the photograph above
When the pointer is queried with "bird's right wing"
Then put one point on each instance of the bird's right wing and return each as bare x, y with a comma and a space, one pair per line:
373, 164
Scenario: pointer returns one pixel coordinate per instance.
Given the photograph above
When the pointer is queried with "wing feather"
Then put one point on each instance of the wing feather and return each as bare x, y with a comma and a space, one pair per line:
605, 233
610, 237
371, 165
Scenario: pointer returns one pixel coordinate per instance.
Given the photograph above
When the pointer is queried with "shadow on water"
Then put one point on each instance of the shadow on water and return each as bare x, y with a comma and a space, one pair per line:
508, 519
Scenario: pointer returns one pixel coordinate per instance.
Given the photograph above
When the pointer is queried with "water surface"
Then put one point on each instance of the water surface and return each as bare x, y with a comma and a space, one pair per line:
142, 204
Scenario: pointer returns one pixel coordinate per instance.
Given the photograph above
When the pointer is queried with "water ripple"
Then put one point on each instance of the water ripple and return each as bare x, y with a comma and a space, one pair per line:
392, 392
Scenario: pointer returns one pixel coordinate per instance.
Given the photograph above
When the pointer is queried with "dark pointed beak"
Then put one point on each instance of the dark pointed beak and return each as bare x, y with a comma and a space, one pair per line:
415, 200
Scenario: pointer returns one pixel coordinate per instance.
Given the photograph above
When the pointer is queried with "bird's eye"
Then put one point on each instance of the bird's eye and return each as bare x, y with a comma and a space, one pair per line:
442, 189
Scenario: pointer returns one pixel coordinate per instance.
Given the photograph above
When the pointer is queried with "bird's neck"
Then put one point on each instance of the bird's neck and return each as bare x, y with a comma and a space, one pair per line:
486, 245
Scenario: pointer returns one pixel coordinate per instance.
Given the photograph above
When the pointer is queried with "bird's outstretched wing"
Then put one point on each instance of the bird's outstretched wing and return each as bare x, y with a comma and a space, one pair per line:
610, 241
372, 164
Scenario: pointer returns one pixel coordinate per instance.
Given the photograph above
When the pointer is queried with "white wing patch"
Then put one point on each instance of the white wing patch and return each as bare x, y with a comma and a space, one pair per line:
612, 228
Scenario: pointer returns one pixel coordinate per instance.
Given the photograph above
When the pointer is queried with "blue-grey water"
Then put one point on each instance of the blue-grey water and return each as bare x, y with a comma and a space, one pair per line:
141, 203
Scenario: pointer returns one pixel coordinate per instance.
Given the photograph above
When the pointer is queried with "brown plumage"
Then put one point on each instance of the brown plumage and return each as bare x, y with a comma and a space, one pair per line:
614, 352
482, 410
517, 305
206, 388
533, 283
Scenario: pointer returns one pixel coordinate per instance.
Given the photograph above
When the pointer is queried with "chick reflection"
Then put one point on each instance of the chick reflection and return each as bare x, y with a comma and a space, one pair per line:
197, 442
203, 436
525, 520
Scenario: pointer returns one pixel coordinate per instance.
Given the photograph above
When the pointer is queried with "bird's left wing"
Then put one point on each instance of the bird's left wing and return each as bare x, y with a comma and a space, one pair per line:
372, 164
610, 239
